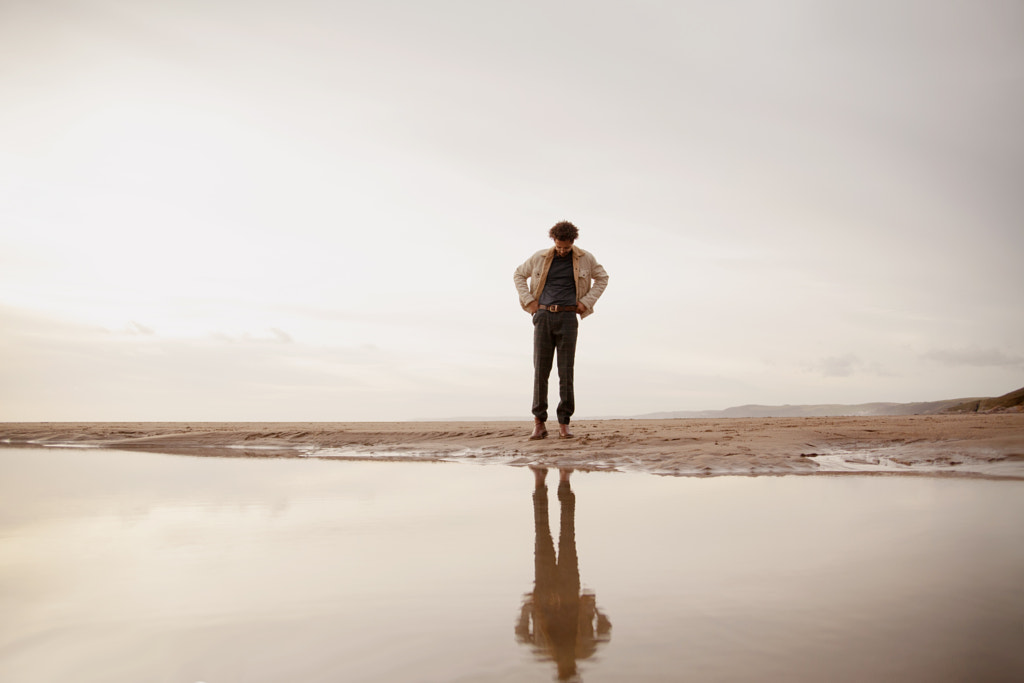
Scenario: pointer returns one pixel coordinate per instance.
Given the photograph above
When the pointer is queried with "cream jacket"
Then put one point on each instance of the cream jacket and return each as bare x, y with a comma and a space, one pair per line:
591, 278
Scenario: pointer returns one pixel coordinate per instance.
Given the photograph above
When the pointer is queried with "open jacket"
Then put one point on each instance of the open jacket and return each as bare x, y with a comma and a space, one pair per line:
591, 278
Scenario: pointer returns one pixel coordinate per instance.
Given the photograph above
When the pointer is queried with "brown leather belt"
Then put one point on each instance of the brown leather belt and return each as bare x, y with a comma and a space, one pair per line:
558, 309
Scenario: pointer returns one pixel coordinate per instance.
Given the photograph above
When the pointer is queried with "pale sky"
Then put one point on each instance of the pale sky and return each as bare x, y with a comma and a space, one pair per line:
311, 210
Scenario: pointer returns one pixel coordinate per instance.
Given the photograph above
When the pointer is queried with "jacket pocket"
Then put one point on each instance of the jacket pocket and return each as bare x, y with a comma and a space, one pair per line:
583, 283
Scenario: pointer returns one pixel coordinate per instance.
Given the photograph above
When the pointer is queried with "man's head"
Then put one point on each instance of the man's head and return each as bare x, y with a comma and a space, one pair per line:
564, 234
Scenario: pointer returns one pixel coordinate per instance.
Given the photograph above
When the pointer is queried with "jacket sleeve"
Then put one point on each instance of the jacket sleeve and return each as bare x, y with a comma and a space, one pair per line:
600, 278
520, 277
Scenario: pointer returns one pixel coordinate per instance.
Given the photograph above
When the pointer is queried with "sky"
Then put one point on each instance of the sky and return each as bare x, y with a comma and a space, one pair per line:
312, 210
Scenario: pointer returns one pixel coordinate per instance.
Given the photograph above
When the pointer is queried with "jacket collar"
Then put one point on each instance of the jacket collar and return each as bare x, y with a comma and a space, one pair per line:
576, 252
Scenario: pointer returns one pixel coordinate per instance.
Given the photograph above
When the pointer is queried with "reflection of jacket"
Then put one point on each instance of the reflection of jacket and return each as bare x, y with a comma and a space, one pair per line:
585, 269
593, 628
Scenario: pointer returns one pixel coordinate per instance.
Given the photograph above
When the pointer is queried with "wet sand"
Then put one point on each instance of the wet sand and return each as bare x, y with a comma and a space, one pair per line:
986, 445
122, 566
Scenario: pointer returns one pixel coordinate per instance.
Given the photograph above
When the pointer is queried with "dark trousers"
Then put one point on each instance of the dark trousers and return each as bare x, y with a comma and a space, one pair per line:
554, 332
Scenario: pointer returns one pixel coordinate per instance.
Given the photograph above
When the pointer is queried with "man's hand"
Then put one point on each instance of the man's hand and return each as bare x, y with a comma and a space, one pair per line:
532, 307
581, 308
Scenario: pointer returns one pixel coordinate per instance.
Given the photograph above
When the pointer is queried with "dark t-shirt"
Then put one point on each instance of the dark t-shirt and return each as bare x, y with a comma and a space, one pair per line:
560, 285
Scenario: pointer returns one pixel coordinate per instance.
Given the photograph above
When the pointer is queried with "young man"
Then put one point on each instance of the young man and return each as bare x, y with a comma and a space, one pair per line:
563, 281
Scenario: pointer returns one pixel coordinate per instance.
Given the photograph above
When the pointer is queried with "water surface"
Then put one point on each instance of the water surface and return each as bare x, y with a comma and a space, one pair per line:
119, 566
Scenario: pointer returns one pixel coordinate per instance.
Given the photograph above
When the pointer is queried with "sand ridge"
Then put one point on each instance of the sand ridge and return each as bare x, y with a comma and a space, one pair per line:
963, 444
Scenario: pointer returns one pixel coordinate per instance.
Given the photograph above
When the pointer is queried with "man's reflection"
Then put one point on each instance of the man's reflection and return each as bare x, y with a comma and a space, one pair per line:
559, 622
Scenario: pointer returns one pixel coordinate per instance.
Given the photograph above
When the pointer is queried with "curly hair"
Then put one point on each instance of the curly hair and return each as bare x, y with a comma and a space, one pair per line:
564, 231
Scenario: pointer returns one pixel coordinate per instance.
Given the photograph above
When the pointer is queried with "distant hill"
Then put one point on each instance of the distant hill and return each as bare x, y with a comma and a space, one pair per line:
1014, 401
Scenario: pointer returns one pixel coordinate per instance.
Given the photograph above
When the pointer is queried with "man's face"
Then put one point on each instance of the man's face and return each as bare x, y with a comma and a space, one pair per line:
563, 247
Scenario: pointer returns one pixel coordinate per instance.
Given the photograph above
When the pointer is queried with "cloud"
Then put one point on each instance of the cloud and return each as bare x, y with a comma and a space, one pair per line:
838, 366
846, 365
281, 336
973, 356
59, 369
276, 336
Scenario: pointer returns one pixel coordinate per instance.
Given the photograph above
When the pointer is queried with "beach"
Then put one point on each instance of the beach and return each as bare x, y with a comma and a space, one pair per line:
972, 444
376, 552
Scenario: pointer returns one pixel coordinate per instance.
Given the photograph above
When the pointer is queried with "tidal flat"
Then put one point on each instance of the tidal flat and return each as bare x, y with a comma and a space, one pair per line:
989, 445
120, 566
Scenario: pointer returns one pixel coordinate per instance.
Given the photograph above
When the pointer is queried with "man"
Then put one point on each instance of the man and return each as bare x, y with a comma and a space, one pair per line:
564, 281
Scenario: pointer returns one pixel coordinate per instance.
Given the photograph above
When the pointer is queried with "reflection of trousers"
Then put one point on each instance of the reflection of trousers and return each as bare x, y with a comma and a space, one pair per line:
554, 332
557, 591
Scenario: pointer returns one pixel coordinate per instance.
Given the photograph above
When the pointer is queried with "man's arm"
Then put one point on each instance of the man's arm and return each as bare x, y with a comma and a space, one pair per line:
520, 277
600, 278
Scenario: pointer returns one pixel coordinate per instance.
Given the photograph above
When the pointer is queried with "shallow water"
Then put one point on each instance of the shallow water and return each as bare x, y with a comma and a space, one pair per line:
120, 566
